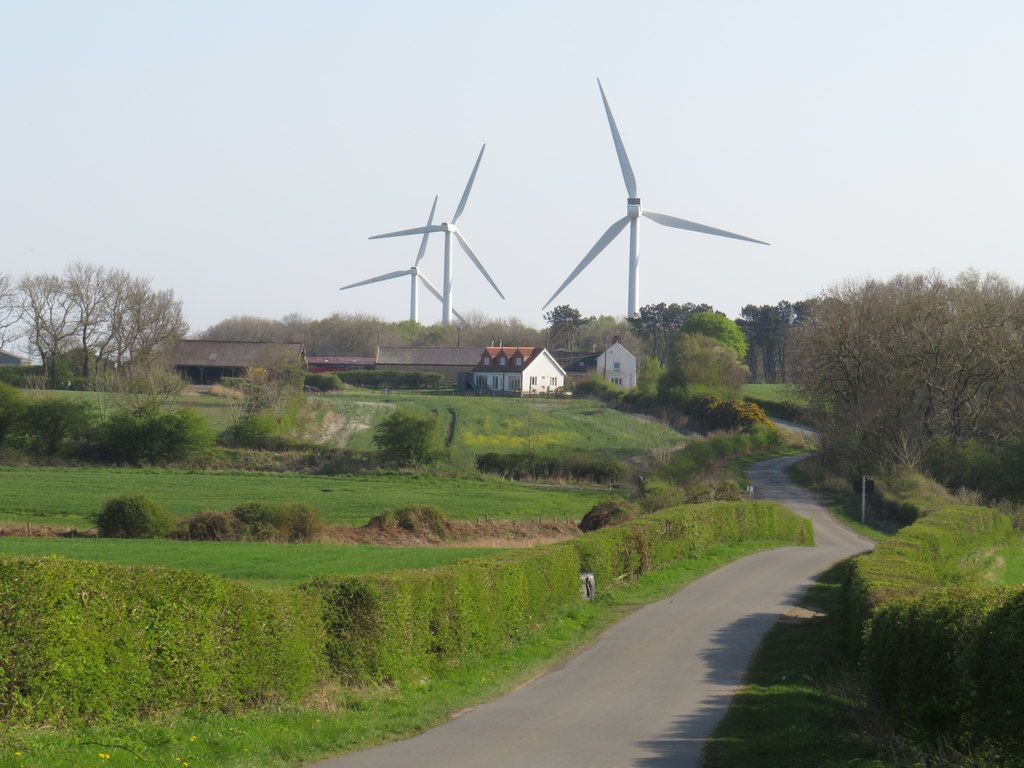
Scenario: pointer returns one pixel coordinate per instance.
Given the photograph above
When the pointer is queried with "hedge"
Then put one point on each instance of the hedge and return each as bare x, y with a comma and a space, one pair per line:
96, 641
574, 466
395, 379
939, 646
404, 626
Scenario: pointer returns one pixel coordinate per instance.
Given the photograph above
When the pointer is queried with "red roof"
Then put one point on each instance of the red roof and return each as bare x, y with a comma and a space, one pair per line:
525, 355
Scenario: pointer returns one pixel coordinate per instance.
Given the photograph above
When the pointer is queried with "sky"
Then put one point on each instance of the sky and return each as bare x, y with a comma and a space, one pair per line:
241, 153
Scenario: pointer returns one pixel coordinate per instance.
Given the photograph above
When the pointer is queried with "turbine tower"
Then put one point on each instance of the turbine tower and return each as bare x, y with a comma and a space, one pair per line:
449, 230
633, 213
414, 273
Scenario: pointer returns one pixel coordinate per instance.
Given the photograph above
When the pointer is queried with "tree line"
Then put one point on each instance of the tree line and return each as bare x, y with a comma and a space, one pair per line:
87, 318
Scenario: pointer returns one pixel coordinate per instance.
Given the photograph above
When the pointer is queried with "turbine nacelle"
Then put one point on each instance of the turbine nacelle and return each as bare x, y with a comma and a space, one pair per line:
446, 227
633, 209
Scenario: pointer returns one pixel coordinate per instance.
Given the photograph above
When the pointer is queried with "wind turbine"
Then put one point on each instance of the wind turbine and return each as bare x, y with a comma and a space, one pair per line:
450, 229
414, 273
632, 218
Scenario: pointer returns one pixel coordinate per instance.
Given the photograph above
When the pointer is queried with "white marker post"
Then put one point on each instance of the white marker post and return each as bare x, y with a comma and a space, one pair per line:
750, 493
863, 498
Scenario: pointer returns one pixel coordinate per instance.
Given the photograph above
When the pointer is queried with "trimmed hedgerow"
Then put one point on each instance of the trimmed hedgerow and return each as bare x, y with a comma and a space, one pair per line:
938, 645
96, 641
394, 379
401, 626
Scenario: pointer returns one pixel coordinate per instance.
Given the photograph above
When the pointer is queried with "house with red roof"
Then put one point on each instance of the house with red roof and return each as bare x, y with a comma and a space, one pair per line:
517, 371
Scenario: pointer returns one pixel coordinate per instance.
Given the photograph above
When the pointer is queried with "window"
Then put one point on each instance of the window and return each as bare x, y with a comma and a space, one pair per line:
515, 383
616, 365
519, 360
487, 361
554, 381
533, 381
495, 383
501, 360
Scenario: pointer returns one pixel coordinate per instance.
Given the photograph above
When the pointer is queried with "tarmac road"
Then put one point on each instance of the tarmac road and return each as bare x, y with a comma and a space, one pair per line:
652, 688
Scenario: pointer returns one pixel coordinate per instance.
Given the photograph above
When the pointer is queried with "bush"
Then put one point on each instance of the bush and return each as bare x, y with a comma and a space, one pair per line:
209, 526
133, 517
607, 512
155, 438
53, 425
97, 641
401, 626
21, 376
576, 466
10, 410
394, 379
259, 431
262, 521
417, 519
324, 382
598, 387
404, 438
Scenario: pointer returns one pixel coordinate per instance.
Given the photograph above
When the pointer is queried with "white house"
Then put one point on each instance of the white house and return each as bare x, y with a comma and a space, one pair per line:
517, 370
618, 365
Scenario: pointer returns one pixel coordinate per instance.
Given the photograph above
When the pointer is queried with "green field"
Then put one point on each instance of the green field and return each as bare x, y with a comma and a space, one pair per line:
506, 424
773, 393
1006, 565
269, 564
70, 496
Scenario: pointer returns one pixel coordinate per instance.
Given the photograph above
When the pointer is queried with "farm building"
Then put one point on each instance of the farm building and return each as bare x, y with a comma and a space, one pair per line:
618, 365
576, 363
320, 364
517, 371
207, 362
450, 361
9, 358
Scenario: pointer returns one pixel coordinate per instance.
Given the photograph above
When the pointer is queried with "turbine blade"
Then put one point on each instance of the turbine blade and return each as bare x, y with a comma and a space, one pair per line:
415, 231
602, 242
620, 150
469, 186
378, 279
430, 286
423, 242
476, 261
458, 317
672, 221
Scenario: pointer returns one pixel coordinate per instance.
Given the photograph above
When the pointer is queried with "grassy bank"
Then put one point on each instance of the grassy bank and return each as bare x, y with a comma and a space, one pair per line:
255, 562
70, 496
336, 720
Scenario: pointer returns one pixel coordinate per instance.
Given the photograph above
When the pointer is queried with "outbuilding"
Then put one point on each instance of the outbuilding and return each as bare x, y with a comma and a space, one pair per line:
207, 362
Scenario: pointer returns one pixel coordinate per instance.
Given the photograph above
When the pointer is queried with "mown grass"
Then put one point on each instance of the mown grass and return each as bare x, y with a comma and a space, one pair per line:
794, 709
509, 424
259, 563
773, 393
1006, 565
70, 496
341, 720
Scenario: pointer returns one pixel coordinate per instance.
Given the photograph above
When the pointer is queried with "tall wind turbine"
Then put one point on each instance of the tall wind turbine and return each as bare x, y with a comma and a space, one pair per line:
449, 230
414, 273
632, 218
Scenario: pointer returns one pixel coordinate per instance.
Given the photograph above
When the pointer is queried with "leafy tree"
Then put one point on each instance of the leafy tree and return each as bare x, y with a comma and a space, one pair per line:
564, 324
405, 438
659, 325
717, 326
701, 365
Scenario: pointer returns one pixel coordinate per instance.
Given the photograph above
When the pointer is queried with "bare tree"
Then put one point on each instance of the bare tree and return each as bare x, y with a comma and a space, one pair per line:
89, 288
49, 317
10, 309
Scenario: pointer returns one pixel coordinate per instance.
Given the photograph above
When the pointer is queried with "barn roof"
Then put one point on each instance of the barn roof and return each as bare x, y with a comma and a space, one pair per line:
227, 354
343, 360
463, 357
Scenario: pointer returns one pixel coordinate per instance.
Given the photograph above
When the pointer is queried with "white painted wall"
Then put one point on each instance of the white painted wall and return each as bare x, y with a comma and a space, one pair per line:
544, 374
618, 365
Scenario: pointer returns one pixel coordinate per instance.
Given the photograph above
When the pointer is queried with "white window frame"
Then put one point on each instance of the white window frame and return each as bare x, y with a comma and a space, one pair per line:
487, 361
501, 360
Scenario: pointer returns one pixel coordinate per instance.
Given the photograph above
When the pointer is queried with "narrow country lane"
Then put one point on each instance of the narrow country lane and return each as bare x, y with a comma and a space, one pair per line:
652, 688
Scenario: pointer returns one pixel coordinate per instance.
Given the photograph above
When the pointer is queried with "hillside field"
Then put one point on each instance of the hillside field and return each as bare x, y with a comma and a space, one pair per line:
70, 496
256, 562
773, 393
505, 424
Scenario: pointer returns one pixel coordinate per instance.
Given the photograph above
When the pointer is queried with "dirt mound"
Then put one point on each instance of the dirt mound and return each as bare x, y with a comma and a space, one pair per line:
419, 520
608, 512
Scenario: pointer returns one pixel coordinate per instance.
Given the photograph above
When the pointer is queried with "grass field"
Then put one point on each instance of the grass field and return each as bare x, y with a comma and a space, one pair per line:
1006, 565
265, 564
507, 424
70, 496
773, 393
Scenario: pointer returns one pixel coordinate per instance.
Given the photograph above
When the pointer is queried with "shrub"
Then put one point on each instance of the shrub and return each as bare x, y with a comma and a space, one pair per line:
155, 438
573, 466
262, 521
10, 410
53, 425
21, 376
97, 641
607, 512
394, 379
133, 517
324, 382
417, 519
597, 386
258, 430
211, 525
405, 438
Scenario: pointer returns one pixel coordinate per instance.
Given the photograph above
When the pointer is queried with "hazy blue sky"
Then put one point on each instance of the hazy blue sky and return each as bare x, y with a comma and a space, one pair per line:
241, 153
